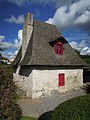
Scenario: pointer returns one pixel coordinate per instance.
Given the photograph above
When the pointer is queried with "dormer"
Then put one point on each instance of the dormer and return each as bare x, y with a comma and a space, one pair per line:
58, 48
58, 45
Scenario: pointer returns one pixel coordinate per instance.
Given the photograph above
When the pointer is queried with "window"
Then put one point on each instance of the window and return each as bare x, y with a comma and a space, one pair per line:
58, 48
61, 79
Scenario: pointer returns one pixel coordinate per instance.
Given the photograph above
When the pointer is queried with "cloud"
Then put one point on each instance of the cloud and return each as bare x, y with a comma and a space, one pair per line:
17, 44
83, 44
54, 3
20, 35
8, 54
84, 18
85, 51
19, 2
76, 14
61, 19
83, 21
74, 45
82, 47
13, 19
5, 46
2, 38
8, 46
18, 41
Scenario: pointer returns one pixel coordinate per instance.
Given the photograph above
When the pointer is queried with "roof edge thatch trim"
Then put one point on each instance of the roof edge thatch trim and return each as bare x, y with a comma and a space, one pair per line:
57, 66
18, 57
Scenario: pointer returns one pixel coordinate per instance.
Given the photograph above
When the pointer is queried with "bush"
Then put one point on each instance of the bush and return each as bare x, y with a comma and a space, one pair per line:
75, 109
9, 110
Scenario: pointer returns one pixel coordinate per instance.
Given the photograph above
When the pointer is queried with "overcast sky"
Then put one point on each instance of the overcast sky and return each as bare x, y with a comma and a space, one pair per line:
72, 17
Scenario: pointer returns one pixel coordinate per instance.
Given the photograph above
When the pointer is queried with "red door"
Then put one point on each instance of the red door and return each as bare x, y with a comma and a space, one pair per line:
61, 79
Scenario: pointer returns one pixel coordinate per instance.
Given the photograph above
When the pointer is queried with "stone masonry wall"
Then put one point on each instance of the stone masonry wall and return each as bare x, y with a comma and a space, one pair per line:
24, 83
41, 83
45, 82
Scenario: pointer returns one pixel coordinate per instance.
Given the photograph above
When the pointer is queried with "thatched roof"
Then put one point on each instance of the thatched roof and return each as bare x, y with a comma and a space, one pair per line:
40, 49
18, 57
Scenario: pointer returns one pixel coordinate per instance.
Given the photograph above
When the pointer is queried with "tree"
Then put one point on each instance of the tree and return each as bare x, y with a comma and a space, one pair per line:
0, 52
78, 52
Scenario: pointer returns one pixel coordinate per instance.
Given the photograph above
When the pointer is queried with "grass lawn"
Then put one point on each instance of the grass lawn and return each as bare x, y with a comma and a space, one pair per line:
28, 118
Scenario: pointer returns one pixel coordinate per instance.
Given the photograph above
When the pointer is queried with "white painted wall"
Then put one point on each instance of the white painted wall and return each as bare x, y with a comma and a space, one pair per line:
45, 82
42, 83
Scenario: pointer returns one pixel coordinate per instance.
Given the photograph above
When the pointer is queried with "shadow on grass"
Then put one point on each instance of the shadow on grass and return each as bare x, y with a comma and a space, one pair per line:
87, 89
45, 116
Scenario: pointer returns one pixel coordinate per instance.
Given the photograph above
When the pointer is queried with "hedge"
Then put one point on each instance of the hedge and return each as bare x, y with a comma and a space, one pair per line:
75, 109
9, 109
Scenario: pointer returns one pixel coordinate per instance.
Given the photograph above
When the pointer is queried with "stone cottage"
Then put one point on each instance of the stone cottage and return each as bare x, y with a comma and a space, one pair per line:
46, 63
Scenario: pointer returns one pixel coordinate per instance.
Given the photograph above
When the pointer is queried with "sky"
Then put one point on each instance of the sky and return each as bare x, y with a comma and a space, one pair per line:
72, 17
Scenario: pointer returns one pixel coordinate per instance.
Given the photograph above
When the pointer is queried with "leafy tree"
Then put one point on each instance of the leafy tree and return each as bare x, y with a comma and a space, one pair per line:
86, 58
9, 109
78, 52
0, 52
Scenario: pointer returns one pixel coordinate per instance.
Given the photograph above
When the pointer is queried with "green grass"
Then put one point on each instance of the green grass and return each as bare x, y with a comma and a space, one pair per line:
28, 118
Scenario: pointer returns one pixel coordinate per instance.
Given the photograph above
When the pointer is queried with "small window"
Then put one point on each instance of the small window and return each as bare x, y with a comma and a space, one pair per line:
61, 79
58, 48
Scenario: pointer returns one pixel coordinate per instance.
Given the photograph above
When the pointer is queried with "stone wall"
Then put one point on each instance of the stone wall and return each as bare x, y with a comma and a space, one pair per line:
41, 83
23, 82
45, 82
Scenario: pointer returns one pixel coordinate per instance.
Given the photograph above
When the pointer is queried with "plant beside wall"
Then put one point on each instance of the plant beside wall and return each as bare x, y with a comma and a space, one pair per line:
9, 109
75, 109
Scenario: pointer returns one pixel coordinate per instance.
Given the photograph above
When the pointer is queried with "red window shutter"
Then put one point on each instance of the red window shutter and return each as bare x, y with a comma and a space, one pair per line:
61, 49
61, 79
55, 48
58, 49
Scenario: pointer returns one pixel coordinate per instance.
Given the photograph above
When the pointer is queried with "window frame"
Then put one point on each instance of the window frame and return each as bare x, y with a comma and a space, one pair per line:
57, 49
61, 79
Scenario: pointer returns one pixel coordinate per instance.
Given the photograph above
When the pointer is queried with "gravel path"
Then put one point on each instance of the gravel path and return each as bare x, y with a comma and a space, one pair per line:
37, 107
